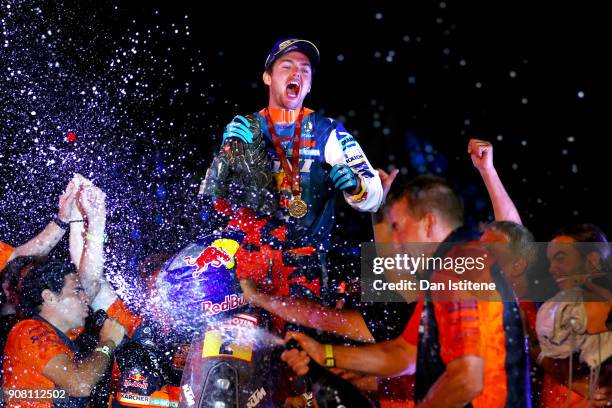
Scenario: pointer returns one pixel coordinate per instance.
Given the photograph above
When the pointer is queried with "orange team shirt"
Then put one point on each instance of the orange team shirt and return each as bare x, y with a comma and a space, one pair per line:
476, 329
597, 315
473, 328
32, 343
29, 347
5, 253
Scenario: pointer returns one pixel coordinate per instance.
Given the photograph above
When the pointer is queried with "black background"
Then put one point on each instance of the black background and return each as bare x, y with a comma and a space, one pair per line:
420, 78
556, 51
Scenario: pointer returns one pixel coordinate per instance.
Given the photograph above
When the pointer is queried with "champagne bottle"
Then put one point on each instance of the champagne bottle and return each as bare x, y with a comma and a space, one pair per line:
330, 390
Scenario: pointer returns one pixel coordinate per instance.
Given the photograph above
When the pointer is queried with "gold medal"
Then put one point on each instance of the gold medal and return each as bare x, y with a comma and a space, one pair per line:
297, 207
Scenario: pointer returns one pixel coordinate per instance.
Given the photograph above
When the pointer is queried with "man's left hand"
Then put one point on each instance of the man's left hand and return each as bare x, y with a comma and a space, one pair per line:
344, 179
481, 152
387, 179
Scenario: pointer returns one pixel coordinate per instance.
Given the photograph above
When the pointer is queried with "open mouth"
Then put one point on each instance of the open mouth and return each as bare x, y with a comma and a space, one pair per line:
562, 278
575, 277
293, 89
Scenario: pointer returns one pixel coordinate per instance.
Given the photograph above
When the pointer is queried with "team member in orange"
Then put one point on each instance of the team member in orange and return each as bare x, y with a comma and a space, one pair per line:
39, 246
39, 355
470, 351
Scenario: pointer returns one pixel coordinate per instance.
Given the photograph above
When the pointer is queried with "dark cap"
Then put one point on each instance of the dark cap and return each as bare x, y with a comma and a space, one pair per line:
287, 45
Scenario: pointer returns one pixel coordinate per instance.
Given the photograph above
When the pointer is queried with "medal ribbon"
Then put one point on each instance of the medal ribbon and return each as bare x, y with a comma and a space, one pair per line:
294, 171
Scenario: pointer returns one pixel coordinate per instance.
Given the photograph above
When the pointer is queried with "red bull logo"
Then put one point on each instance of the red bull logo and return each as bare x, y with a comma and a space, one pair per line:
230, 302
137, 381
220, 252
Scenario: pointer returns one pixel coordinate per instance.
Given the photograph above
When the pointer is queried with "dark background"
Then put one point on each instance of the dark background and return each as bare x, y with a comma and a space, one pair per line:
412, 80
555, 51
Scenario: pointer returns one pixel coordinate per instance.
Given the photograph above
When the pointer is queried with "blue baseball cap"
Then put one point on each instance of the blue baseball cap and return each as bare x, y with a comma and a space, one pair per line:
287, 45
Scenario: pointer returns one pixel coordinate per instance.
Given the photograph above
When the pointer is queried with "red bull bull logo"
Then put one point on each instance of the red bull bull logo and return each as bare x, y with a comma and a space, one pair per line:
220, 252
137, 381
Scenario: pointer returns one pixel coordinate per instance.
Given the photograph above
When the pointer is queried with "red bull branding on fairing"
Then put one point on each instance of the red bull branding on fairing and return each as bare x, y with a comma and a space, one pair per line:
220, 252
137, 381
229, 303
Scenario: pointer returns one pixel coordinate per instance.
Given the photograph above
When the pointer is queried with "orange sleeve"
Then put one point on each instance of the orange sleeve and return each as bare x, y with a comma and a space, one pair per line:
5, 253
411, 332
459, 329
36, 343
459, 316
125, 316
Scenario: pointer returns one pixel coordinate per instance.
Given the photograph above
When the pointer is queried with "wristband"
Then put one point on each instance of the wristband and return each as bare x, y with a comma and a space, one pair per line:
362, 194
104, 350
95, 238
62, 224
330, 360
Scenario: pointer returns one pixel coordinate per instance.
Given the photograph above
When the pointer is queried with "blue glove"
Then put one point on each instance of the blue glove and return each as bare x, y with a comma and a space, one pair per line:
238, 128
343, 178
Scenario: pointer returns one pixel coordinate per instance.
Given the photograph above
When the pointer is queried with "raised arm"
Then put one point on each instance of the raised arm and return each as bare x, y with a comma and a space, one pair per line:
382, 229
46, 240
77, 229
481, 153
92, 204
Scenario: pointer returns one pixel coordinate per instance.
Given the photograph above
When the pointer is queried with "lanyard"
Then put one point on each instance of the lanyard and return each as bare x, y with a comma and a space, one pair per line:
294, 171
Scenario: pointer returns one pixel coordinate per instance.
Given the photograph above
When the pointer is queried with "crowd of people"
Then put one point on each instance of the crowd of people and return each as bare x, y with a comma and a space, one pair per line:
64, 328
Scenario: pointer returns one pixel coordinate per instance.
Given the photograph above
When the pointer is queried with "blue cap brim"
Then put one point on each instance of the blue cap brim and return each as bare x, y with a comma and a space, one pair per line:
304, 46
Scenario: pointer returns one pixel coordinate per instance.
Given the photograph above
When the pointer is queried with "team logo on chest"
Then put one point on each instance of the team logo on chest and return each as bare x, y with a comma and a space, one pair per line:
308, 127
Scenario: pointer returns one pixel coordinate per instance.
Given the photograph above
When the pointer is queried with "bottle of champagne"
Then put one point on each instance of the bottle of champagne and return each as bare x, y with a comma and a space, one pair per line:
330, 390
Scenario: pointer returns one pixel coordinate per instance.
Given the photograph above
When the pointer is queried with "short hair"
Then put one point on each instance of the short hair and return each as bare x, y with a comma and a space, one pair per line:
14, 271
427, 192
50, 275
522, 242
590, 238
